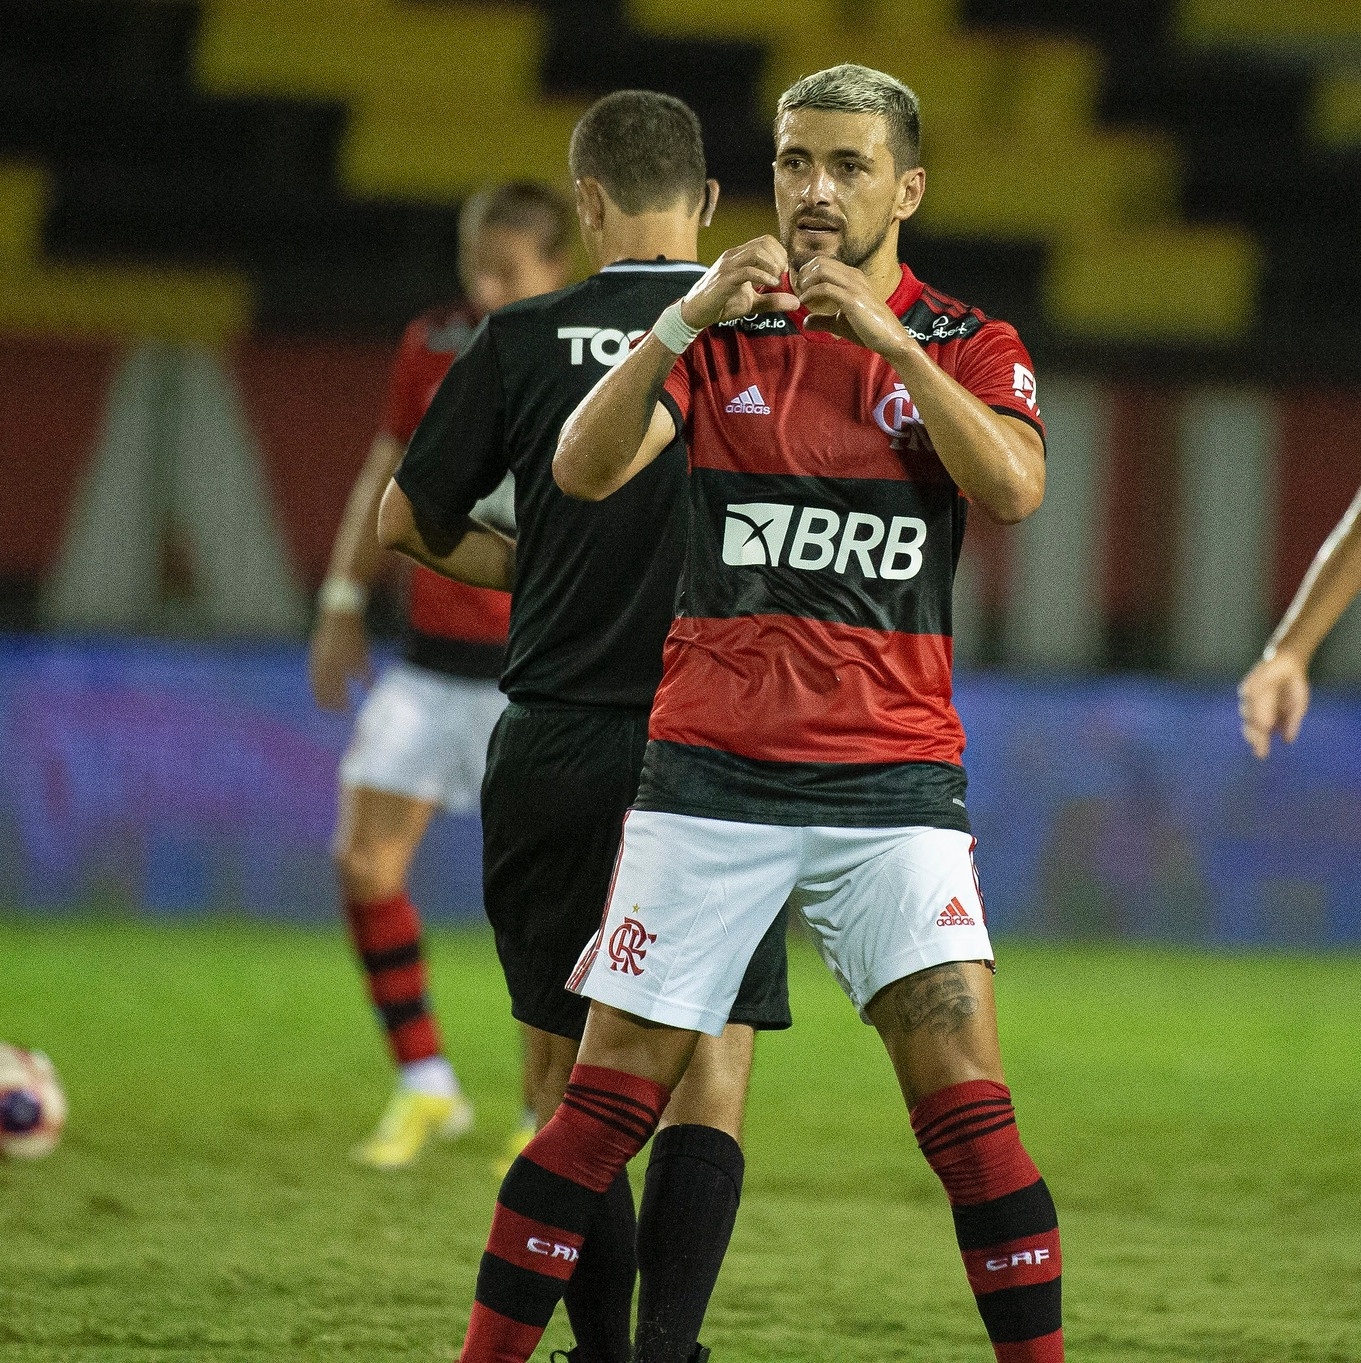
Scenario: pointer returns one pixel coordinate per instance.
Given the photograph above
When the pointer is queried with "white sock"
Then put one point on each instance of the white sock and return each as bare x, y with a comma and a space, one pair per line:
434, 1076
528, 1117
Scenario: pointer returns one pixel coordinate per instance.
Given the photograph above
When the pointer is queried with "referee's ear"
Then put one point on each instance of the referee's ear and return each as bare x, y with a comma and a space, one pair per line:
710, 203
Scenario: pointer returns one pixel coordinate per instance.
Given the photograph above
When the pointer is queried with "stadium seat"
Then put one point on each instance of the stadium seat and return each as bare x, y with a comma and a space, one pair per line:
441, 98
319, 149
1337, 109
1301, 22
23, 203
1189, 284
37, 296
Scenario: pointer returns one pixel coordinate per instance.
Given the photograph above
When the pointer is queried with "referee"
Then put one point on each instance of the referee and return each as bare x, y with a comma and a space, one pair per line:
594, 587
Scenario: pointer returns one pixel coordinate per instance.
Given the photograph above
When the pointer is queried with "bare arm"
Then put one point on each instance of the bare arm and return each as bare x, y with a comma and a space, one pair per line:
474, 553
338, 650
1274, 697
997, 461
356, 554
620, 427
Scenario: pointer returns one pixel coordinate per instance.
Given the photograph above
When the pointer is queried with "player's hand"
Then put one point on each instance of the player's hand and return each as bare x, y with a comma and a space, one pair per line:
1273, 699
339, 652
742, 281
839, 299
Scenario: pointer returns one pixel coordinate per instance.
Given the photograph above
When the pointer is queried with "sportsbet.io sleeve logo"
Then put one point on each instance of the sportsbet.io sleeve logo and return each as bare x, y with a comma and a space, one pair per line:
754, 535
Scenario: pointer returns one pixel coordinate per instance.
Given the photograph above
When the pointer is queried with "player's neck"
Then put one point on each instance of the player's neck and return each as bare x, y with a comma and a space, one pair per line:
884, 271
647, 236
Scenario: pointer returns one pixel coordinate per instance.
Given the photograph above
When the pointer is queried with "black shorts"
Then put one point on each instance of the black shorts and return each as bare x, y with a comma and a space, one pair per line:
558, 783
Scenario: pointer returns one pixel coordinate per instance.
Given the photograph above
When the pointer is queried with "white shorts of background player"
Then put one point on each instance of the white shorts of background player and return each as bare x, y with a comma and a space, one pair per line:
692, 897
424, 734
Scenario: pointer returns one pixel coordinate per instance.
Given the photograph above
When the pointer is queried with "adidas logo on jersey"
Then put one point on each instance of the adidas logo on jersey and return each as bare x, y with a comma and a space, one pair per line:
749, 403
954, 915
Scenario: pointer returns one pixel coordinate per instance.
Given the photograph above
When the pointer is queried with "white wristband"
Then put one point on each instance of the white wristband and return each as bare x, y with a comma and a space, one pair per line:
673, 331
343, 596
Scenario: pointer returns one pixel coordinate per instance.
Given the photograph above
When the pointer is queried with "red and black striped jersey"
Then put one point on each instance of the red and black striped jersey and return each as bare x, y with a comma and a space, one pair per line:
807, 675
451, 627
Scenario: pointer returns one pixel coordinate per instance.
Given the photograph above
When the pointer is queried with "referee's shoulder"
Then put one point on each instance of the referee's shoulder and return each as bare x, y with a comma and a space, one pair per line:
542, 304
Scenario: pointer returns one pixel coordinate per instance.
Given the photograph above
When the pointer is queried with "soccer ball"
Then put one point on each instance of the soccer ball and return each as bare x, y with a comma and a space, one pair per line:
32, 1105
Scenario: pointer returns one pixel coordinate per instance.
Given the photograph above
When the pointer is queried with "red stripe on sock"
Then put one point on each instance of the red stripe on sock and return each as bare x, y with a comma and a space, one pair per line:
543, 1249
947, 1100
1046, 1349
415, 1040
1018, 1263
382, 924
494, 1338
632, 1086
976, 1168
578, 1146
393, 986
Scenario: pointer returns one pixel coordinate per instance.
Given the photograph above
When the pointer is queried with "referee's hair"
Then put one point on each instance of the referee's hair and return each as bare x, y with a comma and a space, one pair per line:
519, 206
645, 148
852, 89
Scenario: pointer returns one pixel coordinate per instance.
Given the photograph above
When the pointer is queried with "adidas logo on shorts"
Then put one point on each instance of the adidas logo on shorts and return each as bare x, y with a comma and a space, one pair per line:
749, 403
954, 915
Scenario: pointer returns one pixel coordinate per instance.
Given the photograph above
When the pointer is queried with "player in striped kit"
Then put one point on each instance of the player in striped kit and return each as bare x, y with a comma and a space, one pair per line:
804, 746
420, 741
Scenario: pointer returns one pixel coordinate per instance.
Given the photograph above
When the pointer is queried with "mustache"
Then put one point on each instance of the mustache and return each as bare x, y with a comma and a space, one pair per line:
819, 220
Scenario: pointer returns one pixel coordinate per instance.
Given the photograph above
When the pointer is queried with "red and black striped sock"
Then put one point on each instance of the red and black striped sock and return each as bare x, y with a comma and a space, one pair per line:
387, 936
1005, 1221
547, 1203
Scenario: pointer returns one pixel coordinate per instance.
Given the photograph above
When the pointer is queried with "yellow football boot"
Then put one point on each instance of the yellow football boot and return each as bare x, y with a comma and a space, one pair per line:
409, 1123
515, 1143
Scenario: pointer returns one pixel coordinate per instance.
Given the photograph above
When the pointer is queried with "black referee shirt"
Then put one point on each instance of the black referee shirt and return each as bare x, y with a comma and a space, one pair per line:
595, 581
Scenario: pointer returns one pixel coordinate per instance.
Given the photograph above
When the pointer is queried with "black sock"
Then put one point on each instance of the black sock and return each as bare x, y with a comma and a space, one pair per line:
599, 1297
694, 1183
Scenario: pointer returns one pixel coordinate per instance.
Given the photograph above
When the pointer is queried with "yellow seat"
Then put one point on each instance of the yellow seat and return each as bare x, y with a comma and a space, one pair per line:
194, 306
1337, 109
1308, 22
417, 154
1161, 284
763, 22
990, 189
441, 99
23, 202
372, 50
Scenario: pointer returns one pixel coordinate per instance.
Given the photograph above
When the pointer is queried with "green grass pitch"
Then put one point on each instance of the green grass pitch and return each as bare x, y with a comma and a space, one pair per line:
1198, 1118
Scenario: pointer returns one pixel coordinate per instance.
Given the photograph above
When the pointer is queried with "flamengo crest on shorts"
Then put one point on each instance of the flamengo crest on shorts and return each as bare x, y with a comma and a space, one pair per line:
814, 626
628, 945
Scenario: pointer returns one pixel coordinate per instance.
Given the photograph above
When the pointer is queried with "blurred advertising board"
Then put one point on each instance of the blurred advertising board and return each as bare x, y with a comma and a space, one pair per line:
184, 778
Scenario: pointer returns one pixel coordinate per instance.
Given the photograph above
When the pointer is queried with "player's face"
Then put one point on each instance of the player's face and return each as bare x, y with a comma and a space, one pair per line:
505, 265
837, 189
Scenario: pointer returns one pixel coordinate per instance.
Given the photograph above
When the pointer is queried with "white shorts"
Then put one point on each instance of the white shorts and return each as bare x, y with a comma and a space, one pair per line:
424, 734
691, 898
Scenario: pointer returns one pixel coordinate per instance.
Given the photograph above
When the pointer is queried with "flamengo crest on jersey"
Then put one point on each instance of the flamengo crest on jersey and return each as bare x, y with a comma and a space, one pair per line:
750, 402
